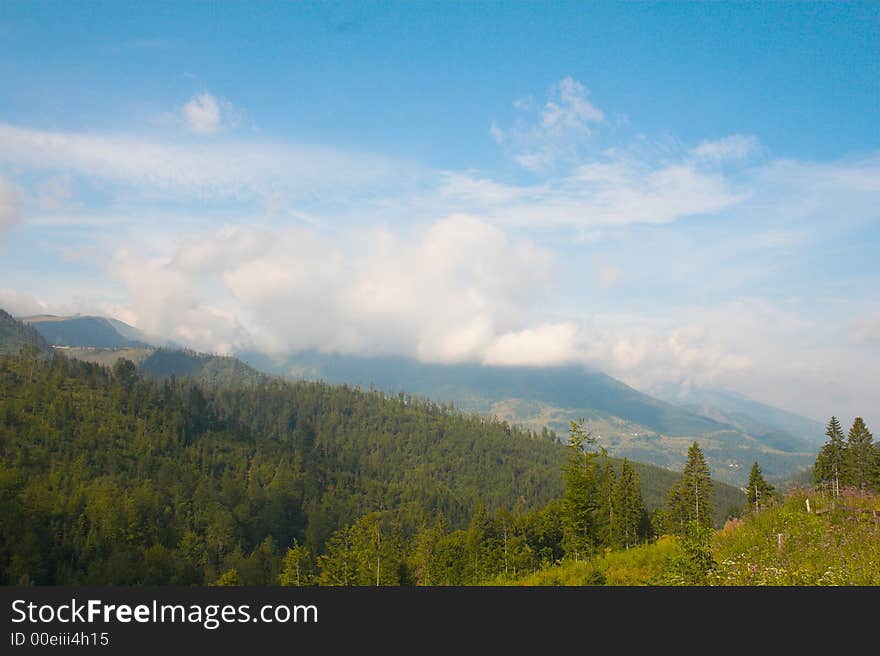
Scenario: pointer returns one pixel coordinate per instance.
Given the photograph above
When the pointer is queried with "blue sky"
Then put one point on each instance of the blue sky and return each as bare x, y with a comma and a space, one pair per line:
679, 194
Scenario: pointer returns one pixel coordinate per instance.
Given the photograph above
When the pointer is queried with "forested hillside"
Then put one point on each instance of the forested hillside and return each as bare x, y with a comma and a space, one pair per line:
15, 335
108, 477
626, 422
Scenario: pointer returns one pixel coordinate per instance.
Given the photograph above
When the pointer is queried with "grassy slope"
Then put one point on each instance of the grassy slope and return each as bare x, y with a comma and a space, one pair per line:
834, 547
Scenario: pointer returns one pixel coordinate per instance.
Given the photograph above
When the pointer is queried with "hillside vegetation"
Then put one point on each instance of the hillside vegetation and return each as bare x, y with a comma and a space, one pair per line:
837, 543
628, 423
109, 477
15, 335
733, 431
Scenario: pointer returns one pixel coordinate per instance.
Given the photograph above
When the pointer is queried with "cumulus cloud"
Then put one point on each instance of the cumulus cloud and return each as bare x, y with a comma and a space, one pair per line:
164, 301
542, 345
10, 205
202, 114
441, 292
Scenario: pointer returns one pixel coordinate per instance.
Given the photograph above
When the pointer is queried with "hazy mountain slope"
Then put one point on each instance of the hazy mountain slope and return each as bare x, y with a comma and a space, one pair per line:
214, 370
81, 331
15, 334
627, 422
736, 409
476, 386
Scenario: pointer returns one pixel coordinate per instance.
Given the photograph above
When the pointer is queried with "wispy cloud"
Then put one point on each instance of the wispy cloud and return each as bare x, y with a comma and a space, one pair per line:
226, 169
615, 191
736, 146
561, 127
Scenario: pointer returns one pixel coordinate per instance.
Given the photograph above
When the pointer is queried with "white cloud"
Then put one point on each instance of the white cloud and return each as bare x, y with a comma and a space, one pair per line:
10, 205
21, 305
556, 135
223, 170
164, 301
543, 345
202, 114
570, 111
736, 146
441, 292
614, 192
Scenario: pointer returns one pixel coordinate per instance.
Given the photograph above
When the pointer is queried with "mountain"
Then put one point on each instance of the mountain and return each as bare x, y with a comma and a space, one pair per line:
753, 416
85, 331
14, 335
733, 431
627, 422
213, 370
476, 387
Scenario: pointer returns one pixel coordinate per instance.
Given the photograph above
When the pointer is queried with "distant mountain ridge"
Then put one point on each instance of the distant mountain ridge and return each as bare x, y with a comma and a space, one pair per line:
737, 409
627, 422
733, 432
85, 330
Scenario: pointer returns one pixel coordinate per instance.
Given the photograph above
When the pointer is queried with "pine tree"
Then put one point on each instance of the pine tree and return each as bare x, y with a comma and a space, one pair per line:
830, 462
692, 501
297, 567
606, 515
859, 461
628, 501
579, 500
758, 491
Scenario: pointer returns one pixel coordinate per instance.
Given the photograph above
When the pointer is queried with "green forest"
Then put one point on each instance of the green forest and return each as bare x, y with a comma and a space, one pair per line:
111, 477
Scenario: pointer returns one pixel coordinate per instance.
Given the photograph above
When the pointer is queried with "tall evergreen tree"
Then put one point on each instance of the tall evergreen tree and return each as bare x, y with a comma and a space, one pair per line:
830, 462
758, 491
630, 509
606, 513
579, 500
692, 502
859, 462
297, 568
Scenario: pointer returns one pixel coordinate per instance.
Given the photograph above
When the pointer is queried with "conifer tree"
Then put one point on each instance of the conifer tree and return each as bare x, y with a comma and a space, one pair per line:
628, 501
859, 460
579, 500
297, 567
758, 491
692, 503
830, 462
606, 515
